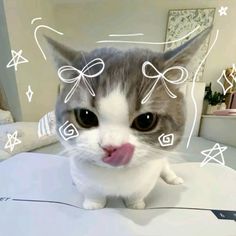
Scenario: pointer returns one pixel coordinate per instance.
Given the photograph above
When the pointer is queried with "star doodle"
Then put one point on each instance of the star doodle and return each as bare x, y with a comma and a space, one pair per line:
29, 93
223, 10
209, 157
12, 141
230, 85
17, 58
233, 72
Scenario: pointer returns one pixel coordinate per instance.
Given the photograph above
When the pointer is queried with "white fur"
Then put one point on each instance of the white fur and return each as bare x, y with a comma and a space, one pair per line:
96, 180
114, 108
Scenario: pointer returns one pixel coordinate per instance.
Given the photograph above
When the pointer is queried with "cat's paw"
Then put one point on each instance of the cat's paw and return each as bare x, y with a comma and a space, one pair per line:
92, 205
136, 205
175, 181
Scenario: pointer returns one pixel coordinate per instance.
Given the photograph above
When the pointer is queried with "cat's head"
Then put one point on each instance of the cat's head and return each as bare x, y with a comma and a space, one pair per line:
116, 127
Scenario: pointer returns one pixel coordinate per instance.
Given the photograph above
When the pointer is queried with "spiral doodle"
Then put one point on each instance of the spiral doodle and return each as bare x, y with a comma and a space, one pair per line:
166, 140
68, 131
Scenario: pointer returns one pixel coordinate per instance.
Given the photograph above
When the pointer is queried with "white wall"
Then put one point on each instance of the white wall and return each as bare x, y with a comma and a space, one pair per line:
38, 73
8, 100
85, 22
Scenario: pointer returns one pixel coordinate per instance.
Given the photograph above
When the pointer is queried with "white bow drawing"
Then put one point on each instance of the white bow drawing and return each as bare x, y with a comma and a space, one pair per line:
81, 75
164, 80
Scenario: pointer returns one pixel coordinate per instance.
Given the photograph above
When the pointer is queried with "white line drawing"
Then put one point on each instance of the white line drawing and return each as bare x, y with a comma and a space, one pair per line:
12, 141
17, 58
47, 125
81, 75
233, 72
208, 154
68, 131
152, 43
126, 35
29, 93
35, 19
193, 86
230, 85
40, 27
161, 76
166, 140
222, 11
36, 39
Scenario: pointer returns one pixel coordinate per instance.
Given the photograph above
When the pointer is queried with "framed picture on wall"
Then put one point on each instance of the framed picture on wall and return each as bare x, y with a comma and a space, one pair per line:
183, 21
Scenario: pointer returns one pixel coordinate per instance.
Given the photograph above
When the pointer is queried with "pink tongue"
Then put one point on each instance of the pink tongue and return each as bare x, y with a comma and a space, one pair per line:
121, 156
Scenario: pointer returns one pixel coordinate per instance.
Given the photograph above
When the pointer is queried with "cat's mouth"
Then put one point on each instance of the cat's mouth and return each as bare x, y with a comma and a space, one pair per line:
121, 156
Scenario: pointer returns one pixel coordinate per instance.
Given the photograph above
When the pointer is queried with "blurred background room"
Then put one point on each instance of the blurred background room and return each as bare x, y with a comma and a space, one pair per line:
84, 25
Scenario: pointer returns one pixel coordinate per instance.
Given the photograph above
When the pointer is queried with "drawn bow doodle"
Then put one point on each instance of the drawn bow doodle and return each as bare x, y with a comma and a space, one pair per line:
161, 76
81, 75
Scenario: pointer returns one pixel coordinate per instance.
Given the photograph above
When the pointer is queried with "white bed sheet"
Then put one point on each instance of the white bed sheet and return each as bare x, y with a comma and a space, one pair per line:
31, 176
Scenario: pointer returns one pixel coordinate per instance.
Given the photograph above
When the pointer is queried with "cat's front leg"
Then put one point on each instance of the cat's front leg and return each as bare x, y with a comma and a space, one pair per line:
92, 199
94, 202
136, 200
169, 176
138, 203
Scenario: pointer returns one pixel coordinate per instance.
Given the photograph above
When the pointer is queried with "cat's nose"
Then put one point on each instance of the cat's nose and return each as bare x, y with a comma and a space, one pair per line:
117, 156
109, 149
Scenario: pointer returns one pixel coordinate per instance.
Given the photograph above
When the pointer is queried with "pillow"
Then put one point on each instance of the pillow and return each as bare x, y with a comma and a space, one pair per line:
27, 134
5, 117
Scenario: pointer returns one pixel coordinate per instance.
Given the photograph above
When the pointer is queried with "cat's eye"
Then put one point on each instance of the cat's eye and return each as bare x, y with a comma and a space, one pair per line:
86, 118
145, 122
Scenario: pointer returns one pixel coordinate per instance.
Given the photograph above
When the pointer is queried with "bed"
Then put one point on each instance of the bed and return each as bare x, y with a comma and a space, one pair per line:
37, 197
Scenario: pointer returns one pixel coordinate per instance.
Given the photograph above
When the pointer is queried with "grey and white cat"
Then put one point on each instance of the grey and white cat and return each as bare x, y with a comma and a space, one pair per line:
117, 152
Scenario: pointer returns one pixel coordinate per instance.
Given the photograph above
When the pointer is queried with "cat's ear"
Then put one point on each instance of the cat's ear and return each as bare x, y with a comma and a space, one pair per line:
61, 54
182, 55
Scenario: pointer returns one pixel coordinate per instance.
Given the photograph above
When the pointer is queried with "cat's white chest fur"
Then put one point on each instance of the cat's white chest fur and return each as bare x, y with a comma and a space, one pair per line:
133, 184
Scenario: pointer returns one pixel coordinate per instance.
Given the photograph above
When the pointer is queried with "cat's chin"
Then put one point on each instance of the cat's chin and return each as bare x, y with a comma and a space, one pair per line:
108, 166
105, 165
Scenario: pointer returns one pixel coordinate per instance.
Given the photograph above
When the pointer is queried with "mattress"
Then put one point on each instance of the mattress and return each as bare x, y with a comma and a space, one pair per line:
37, 197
